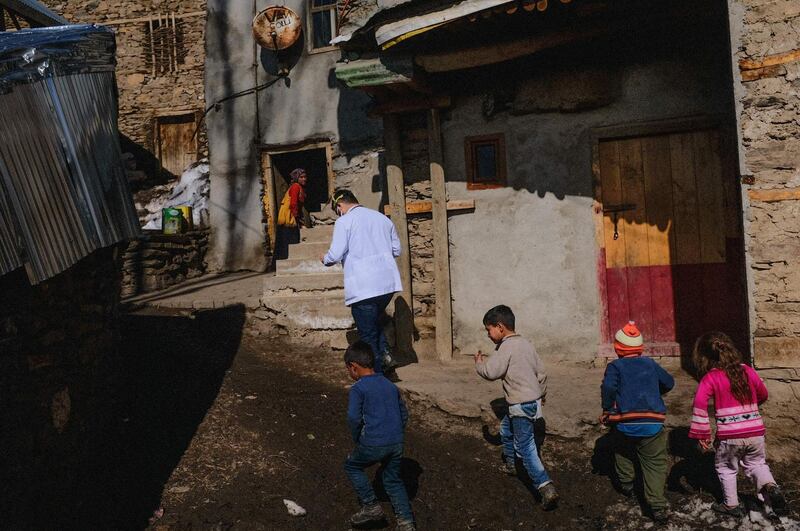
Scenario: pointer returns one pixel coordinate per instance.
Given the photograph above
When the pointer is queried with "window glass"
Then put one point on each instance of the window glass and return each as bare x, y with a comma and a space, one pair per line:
486, 163
322, 30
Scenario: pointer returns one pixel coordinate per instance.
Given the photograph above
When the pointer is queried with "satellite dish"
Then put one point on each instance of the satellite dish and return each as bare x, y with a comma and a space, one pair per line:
277, 28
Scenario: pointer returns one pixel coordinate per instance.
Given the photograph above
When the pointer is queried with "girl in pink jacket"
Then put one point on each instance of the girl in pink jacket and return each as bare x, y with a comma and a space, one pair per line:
737, 392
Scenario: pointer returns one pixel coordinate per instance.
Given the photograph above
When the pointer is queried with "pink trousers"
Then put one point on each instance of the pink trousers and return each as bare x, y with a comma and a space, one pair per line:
751, 454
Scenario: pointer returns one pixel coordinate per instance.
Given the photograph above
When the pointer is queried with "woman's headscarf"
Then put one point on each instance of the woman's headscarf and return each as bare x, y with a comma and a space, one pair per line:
296, 173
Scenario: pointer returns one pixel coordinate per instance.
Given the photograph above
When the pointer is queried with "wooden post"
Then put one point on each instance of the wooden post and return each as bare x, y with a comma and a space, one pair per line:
441, 241
403, 309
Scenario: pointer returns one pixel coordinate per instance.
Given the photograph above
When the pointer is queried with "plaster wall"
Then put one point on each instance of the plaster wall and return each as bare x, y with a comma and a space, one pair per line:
309, 106
531, 245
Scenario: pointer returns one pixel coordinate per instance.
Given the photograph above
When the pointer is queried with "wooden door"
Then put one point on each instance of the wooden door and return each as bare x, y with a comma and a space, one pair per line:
672, 257
177, 146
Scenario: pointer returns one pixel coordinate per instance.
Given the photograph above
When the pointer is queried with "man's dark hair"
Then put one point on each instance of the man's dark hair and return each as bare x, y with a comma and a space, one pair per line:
343, 195
500, 314
361, 353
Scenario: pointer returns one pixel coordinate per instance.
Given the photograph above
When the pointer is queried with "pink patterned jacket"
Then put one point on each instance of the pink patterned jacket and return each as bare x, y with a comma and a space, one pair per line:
734, 419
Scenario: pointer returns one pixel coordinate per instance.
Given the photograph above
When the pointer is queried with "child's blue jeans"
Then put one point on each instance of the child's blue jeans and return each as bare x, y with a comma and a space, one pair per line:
516, 433
390, 457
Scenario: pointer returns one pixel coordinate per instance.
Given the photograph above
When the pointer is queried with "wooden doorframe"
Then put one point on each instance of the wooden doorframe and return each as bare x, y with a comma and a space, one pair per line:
268, 199
638, 129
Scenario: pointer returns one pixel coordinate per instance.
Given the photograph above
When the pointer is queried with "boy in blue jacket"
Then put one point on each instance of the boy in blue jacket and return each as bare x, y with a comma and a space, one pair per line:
376, 415
632, 404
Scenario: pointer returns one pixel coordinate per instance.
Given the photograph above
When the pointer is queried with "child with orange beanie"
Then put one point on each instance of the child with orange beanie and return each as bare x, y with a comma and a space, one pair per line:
632, 405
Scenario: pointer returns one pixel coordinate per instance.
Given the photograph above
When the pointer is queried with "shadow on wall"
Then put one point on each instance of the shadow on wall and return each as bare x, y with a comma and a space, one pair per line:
166, 377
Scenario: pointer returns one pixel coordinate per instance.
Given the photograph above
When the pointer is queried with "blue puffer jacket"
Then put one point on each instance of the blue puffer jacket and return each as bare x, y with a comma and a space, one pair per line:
632, 389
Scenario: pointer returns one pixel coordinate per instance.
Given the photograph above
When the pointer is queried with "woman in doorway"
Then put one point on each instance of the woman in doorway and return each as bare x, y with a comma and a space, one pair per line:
290, 214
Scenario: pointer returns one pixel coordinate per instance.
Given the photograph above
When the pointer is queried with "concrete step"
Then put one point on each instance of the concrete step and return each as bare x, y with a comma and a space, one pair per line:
316, 234
308, 250
289, 284
309, 312
304, 266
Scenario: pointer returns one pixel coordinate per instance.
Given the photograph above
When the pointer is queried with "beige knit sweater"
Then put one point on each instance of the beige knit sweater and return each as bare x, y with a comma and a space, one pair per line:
516, 362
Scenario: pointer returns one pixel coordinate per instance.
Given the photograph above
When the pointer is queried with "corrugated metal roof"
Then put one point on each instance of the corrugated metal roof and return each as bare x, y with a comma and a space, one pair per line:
61, 175
35, 12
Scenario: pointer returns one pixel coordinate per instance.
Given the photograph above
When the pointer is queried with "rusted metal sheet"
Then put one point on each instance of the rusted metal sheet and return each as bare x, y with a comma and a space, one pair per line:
61, 173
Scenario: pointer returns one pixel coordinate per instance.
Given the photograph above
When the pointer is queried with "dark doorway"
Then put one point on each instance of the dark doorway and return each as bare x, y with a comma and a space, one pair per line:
315, 162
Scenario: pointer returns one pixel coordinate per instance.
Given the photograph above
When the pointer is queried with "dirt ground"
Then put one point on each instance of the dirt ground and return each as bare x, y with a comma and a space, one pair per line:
218, 427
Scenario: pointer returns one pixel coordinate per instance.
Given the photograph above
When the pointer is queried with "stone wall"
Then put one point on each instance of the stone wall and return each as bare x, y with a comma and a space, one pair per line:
157, 261
57, 360
144, 95
416, 175
767, 35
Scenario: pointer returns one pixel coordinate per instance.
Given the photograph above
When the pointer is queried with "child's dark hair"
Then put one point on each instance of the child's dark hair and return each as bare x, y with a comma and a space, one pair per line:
500, 314
342, 194
715, 350
361, 353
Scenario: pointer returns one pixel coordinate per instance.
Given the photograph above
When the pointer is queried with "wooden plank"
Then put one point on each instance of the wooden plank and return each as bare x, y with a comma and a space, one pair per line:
710, 212
268, 201
597, 216
423, 207
403, 308
658, 198
405, 105
684, 200
441, 240
612, 195
770, 60
761, 73
616, 283
774, 195
632, 187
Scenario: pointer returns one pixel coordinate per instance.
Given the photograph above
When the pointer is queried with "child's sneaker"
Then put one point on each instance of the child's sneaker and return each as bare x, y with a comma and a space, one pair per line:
405, 525
777, 499
721, 508
509, 469
549, 496
660, 516
367, 514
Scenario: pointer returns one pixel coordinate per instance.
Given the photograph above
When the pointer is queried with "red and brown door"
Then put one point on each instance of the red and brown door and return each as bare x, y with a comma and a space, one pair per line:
671, 247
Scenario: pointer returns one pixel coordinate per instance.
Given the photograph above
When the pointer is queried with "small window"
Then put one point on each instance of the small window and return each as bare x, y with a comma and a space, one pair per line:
163, 45
485, 161
322, 24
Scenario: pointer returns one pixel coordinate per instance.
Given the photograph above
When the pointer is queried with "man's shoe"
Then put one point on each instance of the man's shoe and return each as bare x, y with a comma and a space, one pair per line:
367, 514
777, 500
721, 508
388, 362
549, 496
406, 525
660, 516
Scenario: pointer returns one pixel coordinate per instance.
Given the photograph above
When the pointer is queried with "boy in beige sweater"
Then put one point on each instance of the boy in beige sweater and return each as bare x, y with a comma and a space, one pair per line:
516, 363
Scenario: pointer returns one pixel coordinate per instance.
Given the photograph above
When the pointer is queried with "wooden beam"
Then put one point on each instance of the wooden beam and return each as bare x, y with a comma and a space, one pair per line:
770, 60
441, 240
14, 19
775, 194
410, 105
403, 303
486, 55
761, 73
423, 207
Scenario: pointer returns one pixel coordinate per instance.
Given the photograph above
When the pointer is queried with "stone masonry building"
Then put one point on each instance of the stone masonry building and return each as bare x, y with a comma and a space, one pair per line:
160, 68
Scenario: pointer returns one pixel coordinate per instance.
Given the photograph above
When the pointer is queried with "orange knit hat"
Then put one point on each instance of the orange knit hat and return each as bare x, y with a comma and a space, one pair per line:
628, 341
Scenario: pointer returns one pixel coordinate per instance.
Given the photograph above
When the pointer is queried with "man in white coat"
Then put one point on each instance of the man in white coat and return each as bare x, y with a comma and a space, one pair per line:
366, 243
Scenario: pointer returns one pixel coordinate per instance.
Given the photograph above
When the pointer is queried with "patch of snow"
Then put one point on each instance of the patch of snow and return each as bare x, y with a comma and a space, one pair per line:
293, 508
192, 189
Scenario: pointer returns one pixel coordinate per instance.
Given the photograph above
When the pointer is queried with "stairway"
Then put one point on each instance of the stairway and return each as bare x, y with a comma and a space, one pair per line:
306, 298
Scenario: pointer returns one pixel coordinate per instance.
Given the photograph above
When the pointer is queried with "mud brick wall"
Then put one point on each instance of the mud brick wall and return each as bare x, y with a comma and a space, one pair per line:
57, 360
416, 175
142, 95
157, 261
769, 115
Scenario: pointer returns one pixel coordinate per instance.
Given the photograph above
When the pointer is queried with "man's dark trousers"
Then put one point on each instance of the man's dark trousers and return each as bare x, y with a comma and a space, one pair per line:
367, 315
